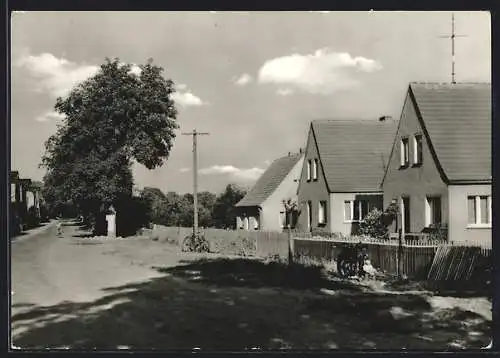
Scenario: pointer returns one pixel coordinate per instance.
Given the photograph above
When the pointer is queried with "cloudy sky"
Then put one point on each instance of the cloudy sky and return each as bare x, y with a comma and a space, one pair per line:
253, 80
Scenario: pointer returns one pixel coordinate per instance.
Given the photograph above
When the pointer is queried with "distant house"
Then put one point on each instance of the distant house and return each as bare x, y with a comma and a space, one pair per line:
343, 168
440, 166
262, 207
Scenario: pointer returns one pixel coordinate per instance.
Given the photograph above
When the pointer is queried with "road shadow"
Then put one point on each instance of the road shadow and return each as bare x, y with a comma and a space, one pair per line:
458, 289
225, 272
241, 304
83, 235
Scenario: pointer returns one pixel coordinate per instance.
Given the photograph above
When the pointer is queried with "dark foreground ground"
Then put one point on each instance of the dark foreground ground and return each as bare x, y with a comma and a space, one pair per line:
83, 293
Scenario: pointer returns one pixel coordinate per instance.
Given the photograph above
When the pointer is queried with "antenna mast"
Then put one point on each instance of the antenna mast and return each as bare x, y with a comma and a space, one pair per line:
452, 37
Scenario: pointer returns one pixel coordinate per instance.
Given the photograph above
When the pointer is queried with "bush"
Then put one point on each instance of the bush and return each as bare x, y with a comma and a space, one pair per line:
373, 225
32, 219
132, 214
195, 243
439, 232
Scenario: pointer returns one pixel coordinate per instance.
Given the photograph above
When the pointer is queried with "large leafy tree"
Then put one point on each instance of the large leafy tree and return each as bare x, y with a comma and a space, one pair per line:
111, 119
223, 214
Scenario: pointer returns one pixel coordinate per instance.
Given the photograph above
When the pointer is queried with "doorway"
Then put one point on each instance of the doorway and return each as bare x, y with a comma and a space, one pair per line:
309, 216
406, 214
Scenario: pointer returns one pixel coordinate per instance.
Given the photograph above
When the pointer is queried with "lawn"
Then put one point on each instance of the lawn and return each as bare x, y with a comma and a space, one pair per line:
211, 302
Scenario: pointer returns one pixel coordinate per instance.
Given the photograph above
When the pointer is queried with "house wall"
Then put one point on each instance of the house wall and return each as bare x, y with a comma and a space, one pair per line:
273, 205
459, 229
415, 182
336, 217
315, 191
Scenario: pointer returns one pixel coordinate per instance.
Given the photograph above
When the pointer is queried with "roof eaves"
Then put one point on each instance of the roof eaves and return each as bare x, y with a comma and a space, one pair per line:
319, 158
469, 181
442, 174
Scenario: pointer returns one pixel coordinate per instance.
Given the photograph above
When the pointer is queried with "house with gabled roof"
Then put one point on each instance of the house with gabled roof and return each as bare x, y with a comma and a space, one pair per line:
262, 207
440, 166
343, 167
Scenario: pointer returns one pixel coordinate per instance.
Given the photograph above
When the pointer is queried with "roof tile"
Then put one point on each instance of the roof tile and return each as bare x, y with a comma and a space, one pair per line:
269, 180
458, 120
354, 153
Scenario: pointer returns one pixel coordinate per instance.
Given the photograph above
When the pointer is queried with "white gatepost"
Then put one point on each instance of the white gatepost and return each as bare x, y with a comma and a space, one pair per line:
111, 219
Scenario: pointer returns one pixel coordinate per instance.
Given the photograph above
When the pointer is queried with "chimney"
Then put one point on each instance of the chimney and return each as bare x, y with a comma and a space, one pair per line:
384, 118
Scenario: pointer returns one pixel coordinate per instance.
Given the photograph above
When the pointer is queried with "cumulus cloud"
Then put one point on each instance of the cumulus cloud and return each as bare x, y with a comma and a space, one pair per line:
323, 71
240, 174
55, 75
50, 116
185, 170
187, 99
284, 91
243, 80
135, 69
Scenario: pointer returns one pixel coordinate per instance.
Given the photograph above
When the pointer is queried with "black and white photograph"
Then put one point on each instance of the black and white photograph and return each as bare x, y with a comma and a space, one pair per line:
250, 181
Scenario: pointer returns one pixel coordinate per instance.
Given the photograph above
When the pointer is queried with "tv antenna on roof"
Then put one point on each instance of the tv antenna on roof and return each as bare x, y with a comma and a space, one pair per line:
452, 36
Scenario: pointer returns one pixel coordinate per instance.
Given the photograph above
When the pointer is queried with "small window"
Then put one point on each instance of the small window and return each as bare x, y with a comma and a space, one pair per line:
309, 170
256, 223
315, 169
348, 210
417, 149
404, 152
433, 215
322, 212
355, 210
479, 209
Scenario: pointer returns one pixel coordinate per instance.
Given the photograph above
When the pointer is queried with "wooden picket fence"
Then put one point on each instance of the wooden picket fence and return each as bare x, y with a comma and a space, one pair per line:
426, 259
234, 242
459, 263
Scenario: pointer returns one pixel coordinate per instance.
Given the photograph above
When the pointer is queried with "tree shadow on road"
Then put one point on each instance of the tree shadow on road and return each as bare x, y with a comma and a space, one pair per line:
244, 304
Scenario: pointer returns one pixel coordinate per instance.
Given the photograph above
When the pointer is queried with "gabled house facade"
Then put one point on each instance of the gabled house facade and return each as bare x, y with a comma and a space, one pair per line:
343, 166
262, 208
439, 170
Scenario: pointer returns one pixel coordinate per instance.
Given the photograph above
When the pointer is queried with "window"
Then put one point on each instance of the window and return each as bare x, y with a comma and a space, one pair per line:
404, 151
417, 149
433, 211
355, 210
479, 209
309, 170
255, 223
315, 169
322, 212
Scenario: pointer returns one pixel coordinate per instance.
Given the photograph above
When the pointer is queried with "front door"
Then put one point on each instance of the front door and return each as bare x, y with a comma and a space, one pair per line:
309, 216
406, 214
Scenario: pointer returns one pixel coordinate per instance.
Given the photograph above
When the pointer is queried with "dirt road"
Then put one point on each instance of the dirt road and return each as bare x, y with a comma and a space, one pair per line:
47, 270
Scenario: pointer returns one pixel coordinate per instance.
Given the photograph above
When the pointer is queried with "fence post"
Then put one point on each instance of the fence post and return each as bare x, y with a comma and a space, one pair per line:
290, 247
399, 257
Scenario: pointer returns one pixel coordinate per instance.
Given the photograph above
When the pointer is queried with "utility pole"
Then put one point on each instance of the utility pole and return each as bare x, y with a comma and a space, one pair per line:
195, 134
452, 37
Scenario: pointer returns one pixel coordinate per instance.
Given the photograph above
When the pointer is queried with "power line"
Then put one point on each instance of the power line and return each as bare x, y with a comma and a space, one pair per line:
452, 36
195, 134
